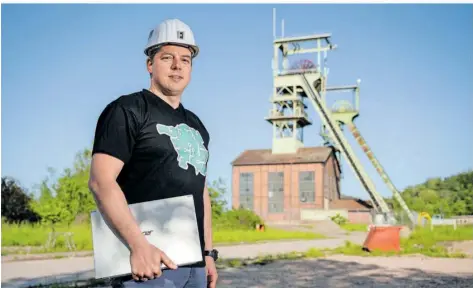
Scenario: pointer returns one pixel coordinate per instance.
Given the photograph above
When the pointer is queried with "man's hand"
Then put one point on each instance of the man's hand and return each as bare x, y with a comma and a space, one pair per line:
146, 262
211, 272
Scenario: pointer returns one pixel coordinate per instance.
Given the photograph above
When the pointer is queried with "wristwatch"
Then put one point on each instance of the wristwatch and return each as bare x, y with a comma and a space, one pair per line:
212, 253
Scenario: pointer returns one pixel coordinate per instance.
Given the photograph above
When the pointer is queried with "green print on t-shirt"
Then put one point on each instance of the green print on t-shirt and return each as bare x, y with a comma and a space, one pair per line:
189, 146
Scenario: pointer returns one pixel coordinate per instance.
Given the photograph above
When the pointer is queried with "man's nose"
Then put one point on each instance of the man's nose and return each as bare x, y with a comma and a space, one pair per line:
176, 64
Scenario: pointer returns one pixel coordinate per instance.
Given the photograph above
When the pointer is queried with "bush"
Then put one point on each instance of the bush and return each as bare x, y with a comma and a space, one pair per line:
339, 219
241, 219
224, 219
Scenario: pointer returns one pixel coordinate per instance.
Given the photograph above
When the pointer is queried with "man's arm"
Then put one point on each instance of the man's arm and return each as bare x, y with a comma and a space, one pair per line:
115, 138
207, 220
210, 269
113, 145
111, 200
145, 258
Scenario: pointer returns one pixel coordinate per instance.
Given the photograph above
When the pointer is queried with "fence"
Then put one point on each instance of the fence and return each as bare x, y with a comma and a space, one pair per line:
424, 219
464, 219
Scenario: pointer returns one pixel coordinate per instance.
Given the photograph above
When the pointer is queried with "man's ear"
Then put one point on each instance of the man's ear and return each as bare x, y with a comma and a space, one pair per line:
149, 63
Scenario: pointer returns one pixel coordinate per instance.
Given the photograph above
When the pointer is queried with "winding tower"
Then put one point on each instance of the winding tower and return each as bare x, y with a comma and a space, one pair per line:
293, 84
290, 181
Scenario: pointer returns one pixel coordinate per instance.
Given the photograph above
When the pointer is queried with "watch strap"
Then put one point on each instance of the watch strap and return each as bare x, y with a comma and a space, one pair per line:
212, 253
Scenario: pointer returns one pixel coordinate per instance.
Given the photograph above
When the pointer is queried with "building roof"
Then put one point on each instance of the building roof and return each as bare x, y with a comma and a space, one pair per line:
350, 203
265, 156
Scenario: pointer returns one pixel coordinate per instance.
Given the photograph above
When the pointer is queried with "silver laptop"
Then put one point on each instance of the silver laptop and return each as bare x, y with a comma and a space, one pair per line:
169, 224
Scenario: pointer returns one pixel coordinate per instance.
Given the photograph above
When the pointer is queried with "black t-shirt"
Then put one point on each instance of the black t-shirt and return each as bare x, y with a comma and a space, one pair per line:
165, 150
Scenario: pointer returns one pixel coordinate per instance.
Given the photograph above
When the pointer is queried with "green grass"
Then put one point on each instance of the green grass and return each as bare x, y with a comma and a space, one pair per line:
251, 236
267, 259
37, 235
354, 227
432, 251
429, 242
442, 233
421, 241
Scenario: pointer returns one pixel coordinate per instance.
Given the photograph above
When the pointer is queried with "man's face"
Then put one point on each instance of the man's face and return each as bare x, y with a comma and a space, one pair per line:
171, 69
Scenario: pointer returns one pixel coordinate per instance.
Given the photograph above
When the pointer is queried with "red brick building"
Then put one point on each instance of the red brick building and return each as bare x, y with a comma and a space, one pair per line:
282, 187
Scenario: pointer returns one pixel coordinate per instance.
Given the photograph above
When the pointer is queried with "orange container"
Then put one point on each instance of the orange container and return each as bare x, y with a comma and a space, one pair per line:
384, 238
260, 227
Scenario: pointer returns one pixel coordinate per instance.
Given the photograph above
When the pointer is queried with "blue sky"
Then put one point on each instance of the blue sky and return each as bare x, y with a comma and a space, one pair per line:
61, 64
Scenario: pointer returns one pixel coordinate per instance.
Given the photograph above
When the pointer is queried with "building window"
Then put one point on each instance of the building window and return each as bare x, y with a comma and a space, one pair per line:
307, 186
326, 183
246, 190
275, 192
333, 188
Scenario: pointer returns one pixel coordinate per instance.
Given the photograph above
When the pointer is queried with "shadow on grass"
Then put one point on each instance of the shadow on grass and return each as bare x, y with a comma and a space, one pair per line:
330, 273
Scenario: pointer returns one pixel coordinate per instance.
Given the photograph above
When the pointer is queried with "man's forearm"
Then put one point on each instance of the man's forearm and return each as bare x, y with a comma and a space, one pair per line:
207, 220
113, 207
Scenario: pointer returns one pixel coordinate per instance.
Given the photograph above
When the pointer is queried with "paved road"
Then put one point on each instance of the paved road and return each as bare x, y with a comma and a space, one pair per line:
34, 272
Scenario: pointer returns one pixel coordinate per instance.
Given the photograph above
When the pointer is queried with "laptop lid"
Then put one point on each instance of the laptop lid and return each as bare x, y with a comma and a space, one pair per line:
169, 224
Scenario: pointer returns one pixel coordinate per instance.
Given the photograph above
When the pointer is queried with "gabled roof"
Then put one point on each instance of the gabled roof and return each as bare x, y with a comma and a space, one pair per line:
265, 156
350, 203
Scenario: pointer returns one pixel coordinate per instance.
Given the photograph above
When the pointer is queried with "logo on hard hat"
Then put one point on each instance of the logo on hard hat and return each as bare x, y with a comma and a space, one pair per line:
180, 34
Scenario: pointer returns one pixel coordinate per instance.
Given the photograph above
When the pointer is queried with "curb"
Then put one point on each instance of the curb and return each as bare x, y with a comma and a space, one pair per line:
45, 256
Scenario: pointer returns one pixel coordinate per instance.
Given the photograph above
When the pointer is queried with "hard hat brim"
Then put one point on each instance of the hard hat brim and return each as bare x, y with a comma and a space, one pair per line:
194, 48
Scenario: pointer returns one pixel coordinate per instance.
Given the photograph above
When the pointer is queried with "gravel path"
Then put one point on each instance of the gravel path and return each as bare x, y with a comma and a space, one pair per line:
333, 271
34, 272
351, 271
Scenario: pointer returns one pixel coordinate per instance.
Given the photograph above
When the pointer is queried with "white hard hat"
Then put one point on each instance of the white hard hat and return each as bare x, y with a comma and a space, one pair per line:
172, 31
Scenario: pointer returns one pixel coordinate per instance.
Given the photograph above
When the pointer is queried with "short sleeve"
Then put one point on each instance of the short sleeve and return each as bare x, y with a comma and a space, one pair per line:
115, 132
204, 129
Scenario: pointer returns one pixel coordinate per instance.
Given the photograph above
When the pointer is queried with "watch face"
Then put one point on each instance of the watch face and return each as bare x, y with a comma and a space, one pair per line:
212, 253
215, 254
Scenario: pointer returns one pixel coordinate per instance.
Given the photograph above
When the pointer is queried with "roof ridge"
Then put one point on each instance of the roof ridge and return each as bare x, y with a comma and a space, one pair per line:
314, 154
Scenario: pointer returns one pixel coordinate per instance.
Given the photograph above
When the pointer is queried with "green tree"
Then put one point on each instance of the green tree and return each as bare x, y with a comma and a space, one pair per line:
49, 207
449, 196
16, 202
217, 192
69, 196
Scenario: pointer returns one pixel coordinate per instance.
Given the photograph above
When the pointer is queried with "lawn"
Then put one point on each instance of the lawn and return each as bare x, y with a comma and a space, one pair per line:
36, 236
441, 234
271, 234
354, 227
421, 241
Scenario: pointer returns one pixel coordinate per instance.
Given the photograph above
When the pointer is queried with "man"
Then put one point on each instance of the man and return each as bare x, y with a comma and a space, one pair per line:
134, 159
